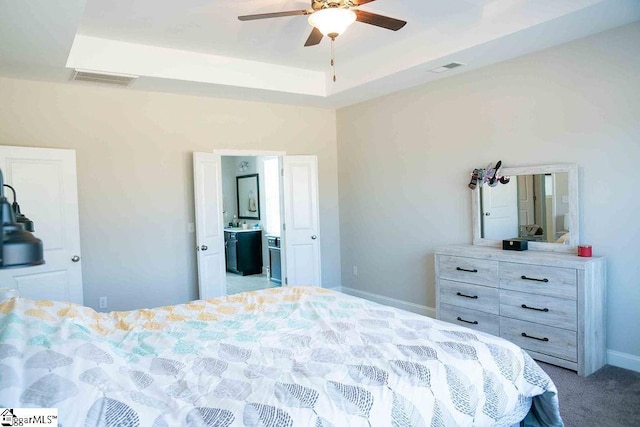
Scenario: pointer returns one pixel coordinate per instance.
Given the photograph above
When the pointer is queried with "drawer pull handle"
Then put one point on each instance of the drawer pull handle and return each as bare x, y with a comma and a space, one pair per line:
475, 322
534, 338
468, 271
533, 308
545, 280
460, 294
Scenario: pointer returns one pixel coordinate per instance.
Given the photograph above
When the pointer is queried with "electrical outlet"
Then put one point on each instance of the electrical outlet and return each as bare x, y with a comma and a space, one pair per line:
102, 302
354, 270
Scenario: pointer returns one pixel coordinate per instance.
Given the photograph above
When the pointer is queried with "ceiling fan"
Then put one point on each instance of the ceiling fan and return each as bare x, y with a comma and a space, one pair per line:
331, 17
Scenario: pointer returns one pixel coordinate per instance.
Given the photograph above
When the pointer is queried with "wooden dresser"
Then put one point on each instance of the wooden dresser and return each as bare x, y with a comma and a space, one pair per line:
551, 304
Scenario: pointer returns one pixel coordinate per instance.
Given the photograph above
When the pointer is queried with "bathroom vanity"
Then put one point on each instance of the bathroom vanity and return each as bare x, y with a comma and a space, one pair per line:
243, 251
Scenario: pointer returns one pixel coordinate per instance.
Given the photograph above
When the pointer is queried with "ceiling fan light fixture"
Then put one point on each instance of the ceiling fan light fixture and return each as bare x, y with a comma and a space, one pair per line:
332, 21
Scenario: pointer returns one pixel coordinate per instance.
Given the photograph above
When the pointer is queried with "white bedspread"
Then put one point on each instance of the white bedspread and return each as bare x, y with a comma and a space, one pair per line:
280, 357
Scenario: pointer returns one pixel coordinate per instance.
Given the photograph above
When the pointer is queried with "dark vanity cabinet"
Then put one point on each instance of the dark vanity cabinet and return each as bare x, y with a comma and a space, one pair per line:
243, 251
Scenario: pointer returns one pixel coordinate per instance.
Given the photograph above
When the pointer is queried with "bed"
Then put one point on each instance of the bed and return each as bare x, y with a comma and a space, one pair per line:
290, 356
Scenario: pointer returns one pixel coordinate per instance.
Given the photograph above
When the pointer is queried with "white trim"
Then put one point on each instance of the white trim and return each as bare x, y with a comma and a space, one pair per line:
105, 55
243, 153
393, 302
623, 360
335, 288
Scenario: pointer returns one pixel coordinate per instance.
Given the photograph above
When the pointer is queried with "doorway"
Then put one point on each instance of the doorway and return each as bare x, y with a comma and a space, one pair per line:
298, 207
499, 211
45, 181
252, 221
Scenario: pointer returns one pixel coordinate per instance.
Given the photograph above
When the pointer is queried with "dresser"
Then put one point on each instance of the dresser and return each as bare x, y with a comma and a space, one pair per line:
550, 304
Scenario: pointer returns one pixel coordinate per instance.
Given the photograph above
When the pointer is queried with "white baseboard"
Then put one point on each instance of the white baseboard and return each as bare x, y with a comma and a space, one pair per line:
393, 302
623, 360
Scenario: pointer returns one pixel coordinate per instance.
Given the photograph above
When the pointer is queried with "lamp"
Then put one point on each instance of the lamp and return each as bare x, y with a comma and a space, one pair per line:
18, 247
332, 21
20, 218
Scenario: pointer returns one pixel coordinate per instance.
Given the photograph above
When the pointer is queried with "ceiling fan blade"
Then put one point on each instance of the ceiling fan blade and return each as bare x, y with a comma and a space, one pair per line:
379, 20
274, 15
314, 38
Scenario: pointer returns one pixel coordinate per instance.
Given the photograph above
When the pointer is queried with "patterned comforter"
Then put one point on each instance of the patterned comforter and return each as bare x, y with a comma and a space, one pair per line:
292, 356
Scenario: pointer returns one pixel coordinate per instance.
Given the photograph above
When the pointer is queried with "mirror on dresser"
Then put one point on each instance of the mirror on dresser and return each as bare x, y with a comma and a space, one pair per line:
539, 204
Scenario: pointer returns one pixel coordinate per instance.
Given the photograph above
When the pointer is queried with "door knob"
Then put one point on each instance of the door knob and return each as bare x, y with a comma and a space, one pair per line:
314, 237
487, 214
75, 258
204, 247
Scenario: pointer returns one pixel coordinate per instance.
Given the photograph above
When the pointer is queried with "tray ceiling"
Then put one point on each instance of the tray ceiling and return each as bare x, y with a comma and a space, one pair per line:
200, 47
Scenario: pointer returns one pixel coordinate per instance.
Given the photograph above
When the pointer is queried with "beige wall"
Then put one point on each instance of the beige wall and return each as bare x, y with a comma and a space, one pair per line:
135, 175
404, 164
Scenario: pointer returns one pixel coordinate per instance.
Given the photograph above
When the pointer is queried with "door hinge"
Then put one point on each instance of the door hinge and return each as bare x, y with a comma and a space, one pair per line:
286, 280
282, 172
284, 227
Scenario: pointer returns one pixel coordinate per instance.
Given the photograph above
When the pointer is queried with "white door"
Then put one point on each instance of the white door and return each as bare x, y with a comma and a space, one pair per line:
207, 185
500, 211
301, 221
526, 200
46, 188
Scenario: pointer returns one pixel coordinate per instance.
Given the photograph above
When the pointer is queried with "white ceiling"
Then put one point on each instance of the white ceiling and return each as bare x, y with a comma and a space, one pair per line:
200, 47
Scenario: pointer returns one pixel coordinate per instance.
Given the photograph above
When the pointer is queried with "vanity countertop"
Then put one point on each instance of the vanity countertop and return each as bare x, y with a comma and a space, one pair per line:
240, 229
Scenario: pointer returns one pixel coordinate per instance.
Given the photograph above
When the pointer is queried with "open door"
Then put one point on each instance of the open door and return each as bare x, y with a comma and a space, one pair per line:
301, 228
207, 185
46, 187
500, 211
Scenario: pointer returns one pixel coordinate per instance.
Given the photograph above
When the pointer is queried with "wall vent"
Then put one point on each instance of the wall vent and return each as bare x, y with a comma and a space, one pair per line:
447, 67
105, 78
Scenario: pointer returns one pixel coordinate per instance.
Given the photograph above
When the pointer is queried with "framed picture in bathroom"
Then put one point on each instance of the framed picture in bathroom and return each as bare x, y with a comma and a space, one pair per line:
248, 196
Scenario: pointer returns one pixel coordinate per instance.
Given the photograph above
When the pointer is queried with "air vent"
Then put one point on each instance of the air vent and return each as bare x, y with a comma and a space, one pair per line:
105, 78
447, 67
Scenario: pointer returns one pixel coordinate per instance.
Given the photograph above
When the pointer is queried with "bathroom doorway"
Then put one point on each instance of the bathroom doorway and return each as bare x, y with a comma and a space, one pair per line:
251, 209
299, 219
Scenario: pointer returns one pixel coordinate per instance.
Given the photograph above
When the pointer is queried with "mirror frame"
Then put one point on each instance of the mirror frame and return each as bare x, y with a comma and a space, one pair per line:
250, 177
574, 227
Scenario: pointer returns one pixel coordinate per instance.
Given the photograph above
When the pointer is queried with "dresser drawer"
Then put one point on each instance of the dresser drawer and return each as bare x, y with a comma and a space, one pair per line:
537, 279
557, 312
469, 270
476, 297
478, 320
543, 339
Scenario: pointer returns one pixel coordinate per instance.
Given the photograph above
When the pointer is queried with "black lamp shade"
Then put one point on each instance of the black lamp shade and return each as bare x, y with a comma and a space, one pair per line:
18, 248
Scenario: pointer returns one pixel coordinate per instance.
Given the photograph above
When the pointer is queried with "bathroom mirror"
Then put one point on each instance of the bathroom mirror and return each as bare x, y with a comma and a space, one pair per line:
248, 196
539, 204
